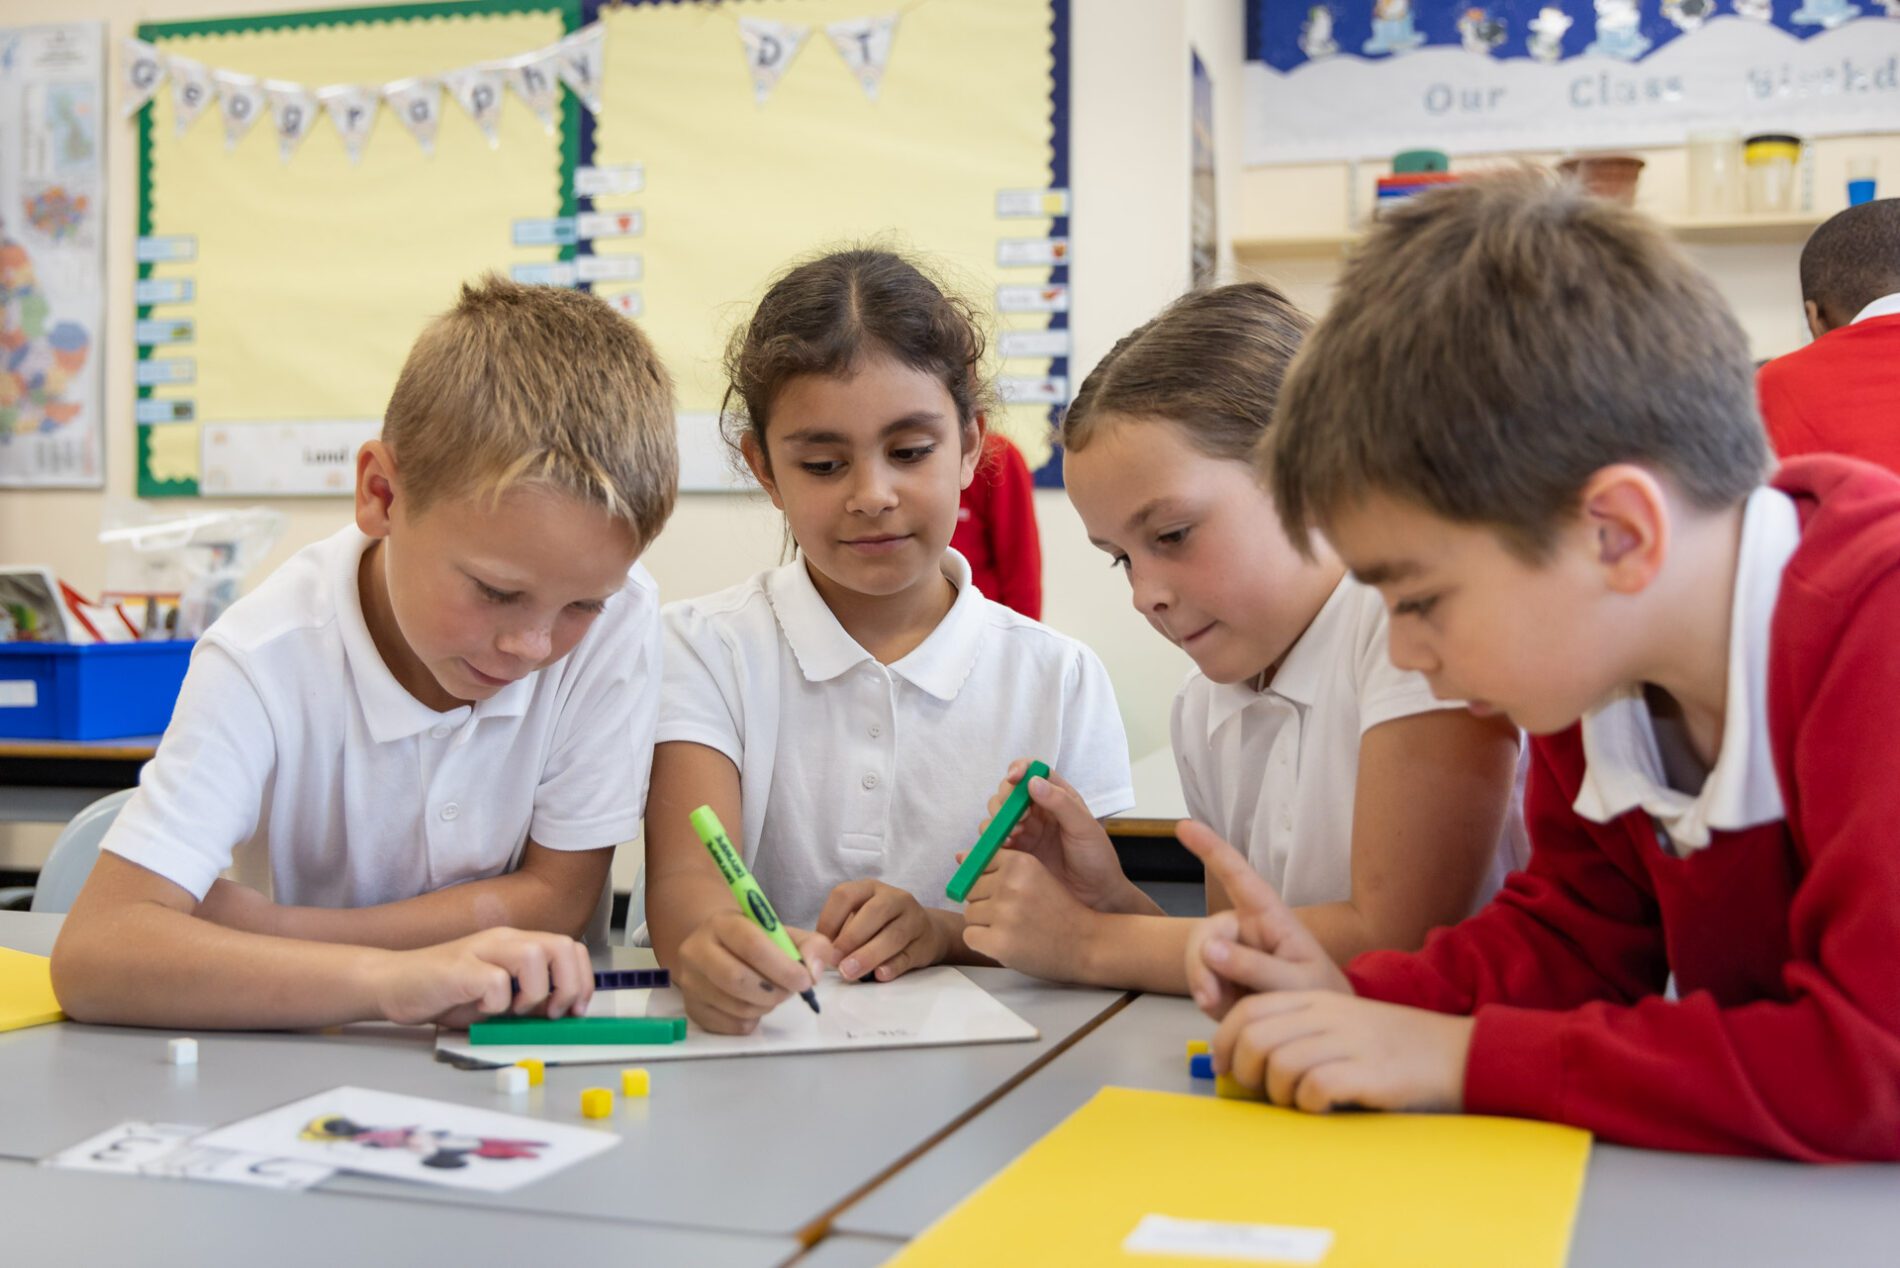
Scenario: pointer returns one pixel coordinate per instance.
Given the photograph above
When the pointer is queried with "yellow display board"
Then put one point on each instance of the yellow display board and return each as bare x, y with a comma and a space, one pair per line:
312, 276
1190, 1177
735, 190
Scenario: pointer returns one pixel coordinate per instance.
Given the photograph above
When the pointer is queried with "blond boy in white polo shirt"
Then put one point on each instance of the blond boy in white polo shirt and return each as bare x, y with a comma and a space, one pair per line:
423, 736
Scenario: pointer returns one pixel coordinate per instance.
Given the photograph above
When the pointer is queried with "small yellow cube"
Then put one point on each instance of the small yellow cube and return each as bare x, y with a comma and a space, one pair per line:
1225, 1086
536, 1071
634, 1083
1196, 1047
597, 1102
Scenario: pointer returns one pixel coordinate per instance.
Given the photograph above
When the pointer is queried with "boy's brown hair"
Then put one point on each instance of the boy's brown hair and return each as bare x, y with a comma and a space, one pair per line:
1493, 344
536, 385
1211, 363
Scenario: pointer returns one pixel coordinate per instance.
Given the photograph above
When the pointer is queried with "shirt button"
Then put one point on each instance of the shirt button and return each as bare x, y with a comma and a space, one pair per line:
870, 779
876, 730
440, 733
449, 811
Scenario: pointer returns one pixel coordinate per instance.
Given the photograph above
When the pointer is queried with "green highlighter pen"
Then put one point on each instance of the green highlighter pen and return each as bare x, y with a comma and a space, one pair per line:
752, 900
1015, 806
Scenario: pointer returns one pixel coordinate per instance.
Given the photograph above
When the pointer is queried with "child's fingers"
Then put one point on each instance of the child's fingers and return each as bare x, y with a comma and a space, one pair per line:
1294, 1059
774, 973
1241, 1018
1252, 970
981, 939
878, 911
571, 977
881, 950
898, 965
1246, 887
815, 947
1205, 985
840, 903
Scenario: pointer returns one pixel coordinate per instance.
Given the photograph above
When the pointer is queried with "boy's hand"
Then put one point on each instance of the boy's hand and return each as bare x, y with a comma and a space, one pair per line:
1256, 945
880, 930
238, 907
1060, 833
487, 973
731, 974
1319, 1050
1025, 919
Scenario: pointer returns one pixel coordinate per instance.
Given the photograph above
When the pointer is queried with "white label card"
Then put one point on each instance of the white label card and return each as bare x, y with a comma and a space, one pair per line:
1024, 389
627, 303
1030, 252
617, 178
1016, 203
1249, 1243
610, 224
1032, 299
167, 370
1033, 343
19, 693
311, 457
157, 411
608, 268
179, 247
164, 290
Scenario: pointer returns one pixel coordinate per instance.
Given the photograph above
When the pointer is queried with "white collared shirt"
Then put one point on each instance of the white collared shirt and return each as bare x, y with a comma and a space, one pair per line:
296, 755
1274, 771
851, 769
1885, 306
1623, 766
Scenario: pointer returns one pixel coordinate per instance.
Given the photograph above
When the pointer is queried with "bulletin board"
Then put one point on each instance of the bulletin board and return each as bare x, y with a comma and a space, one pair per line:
310, 276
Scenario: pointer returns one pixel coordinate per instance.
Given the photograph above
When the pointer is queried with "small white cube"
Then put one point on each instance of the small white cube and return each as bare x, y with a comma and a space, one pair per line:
182, 1052
512, 1080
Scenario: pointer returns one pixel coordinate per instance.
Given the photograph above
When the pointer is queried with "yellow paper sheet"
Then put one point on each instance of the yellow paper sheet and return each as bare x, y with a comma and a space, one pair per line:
737, 191
26, 991
315, 275
1392, 1188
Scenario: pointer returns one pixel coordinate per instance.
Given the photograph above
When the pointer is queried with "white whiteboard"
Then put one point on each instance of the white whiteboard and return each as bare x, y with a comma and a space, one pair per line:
935, 1007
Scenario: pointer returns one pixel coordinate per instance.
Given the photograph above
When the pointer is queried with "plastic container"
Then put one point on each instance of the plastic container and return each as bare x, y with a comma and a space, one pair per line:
1861, 179
1611, 176
1715, 174
89, 691
1771, 160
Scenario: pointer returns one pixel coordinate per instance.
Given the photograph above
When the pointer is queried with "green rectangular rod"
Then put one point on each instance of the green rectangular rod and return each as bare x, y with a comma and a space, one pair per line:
535, 1031
1014, 807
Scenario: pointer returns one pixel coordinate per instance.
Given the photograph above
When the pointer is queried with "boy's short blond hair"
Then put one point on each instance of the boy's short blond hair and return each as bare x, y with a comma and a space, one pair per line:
536, 385
1492, 345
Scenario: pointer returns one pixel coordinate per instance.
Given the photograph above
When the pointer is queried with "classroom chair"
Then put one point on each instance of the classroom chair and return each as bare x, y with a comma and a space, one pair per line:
70, 860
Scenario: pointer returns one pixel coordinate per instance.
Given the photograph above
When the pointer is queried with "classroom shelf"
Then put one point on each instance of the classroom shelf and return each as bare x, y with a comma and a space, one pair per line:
1734, 230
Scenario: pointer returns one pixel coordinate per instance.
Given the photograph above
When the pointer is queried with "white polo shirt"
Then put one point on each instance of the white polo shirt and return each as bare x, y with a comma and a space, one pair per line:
1623, 764
296, 755
1274, 771
851, 769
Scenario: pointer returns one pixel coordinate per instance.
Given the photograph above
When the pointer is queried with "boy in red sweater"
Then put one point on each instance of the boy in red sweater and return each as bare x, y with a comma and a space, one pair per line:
996, 528
1841, 393
1554, 476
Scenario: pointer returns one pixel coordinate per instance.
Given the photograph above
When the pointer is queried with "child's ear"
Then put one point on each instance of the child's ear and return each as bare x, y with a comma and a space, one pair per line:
375, 488
1627, 511
972, 439
755, 458
1817, 324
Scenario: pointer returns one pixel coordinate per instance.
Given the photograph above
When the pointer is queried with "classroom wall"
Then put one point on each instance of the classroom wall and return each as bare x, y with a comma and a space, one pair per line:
1130, 160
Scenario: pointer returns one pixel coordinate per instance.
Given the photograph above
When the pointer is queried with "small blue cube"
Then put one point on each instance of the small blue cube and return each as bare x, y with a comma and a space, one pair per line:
1201, 1065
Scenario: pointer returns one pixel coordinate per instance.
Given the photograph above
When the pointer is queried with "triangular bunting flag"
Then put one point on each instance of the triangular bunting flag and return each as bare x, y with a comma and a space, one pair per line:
144, 70
478, 90
293, 111
865, 45
418, 103
582, 61
769, 49
536, 79
240, 101
192, 90
352, 109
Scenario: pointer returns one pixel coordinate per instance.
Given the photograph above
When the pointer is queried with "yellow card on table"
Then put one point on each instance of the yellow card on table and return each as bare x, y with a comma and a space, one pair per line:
1165, 1178
26, 990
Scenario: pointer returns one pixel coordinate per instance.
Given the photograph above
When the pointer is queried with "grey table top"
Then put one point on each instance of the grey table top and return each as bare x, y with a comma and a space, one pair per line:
763, 1145
1639, 1207
845, 1250
52, 1218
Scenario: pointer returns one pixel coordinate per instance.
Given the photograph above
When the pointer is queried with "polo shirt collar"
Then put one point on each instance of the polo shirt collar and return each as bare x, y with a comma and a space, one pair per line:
389, 711
1623, 768
823, 650
1297, 679
1885, 306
